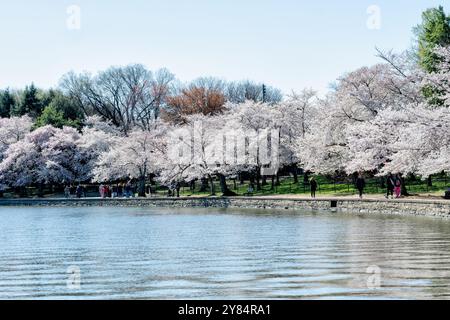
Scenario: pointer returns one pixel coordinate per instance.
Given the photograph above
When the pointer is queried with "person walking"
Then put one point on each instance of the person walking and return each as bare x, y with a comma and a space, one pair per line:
128, 189
360, 185
114, 191
120, 190
390, 185
79, 191
67, 191
398, 187
313, 185
72, 191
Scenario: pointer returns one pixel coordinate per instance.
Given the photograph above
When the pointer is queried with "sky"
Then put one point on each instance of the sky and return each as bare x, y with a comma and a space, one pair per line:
290, 44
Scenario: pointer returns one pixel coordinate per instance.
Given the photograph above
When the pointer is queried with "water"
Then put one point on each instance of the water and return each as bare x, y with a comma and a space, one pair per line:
141, 253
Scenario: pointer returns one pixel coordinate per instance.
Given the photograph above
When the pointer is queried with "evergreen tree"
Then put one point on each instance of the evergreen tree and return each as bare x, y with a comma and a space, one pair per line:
52, 116
47, 97
69, 108
433, 31
30, 103
7, 103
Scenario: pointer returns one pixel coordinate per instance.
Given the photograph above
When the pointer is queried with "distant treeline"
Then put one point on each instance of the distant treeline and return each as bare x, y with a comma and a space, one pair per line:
130, 96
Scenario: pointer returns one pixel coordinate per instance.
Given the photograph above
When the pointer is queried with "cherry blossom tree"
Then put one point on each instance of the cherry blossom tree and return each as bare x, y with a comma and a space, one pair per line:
256, 120
348, 111
21, 165
13, 130
413, 140
50, 155
46, 155
135, 156
406, 138
378, 119
97, 137
295, 116
196, 151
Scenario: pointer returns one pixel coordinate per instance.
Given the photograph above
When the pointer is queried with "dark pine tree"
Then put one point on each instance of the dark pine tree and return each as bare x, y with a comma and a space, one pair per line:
7, 103
30, 103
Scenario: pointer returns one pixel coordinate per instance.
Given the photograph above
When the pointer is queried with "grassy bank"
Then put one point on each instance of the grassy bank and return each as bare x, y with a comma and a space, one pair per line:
326, 186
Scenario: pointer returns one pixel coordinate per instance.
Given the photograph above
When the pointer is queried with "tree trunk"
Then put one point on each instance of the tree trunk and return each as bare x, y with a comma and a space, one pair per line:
383, 183
226, 192
22, 192
41, 190
404, 191
258, 176
252, 182
294, 173
306, 179
211, 181
141, 187
204, 185
277, 183
264, 181
430, 182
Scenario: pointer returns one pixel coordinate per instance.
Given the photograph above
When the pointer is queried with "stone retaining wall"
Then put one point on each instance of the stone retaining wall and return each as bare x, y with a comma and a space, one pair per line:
435, 208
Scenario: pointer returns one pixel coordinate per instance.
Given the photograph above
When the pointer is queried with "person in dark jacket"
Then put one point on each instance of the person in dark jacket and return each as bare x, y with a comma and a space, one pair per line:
360, 185
313, 184
72, 191
79, 191
128, 190
390, 184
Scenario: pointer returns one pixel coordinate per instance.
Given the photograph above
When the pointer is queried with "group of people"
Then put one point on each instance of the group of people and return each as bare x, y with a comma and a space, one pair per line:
393, 183
106, 191
394, 186
127, 190
116, 191
70, 191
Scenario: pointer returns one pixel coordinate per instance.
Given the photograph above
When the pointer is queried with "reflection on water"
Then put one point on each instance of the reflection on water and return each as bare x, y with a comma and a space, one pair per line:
140, 253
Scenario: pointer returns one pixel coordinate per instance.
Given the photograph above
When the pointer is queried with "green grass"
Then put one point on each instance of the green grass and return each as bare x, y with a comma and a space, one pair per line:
325, 187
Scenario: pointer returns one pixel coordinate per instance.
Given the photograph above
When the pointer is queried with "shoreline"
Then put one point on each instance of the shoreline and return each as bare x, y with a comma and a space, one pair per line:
414, 207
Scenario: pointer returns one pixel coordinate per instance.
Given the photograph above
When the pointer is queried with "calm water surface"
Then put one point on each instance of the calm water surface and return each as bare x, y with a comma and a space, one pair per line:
141, 253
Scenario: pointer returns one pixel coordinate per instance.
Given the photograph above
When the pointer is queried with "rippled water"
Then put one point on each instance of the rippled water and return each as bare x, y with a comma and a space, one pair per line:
139, 253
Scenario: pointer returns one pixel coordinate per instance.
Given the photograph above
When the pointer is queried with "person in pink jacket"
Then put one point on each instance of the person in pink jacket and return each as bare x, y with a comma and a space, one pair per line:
398, 187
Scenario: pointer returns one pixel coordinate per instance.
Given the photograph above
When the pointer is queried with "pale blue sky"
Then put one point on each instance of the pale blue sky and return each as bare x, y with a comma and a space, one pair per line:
290, 44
